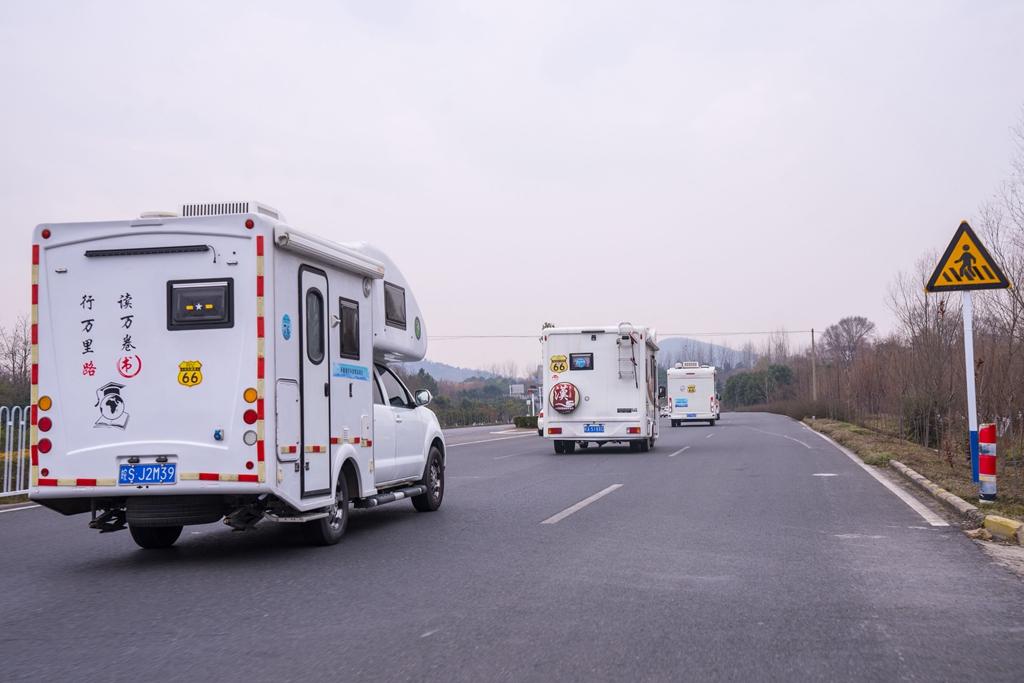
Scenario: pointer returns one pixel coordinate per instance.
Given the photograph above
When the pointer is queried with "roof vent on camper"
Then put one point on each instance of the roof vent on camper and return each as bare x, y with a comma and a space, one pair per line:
230, 208
158, 214
625, 329
678, 366
691, 364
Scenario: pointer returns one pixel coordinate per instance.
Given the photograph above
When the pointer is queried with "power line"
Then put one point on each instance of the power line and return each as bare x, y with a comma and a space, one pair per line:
455, 337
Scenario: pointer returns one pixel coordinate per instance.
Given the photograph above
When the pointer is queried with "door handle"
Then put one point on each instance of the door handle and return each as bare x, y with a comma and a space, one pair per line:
398, 419
327, 389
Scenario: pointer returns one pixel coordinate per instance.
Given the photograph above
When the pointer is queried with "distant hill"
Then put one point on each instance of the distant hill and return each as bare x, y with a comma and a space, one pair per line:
444, 372
679, 349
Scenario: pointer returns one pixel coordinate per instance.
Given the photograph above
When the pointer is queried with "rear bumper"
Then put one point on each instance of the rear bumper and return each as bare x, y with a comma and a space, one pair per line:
108, 488
693, 417
613, 431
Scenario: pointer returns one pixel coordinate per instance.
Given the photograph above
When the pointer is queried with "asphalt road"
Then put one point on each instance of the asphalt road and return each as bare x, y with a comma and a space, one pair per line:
730, 559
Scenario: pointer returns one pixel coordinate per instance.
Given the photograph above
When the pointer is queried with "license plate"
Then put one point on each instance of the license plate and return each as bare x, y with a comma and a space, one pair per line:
691, 415
147, 474
593, 429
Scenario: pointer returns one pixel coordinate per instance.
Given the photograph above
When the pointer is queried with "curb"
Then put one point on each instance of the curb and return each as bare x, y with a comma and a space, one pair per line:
973, 517
1003, 528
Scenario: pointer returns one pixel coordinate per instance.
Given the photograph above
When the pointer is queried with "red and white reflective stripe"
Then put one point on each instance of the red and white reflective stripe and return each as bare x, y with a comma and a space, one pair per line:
288, 450
219, 476
80, 481
34, 432
260, 368
316, 449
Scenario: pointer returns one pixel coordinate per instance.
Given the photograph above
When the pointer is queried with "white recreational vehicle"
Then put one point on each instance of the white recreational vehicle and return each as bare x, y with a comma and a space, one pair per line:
221, 364
600, 385
692, 394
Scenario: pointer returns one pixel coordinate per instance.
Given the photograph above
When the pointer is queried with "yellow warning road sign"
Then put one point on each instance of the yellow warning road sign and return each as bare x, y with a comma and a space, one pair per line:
966, 265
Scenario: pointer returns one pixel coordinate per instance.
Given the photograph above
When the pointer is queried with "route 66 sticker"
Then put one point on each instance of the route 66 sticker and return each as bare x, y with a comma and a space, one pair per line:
190, 373
559, 364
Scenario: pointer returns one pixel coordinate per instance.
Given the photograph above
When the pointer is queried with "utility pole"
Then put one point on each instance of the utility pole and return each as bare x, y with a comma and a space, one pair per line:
814, 370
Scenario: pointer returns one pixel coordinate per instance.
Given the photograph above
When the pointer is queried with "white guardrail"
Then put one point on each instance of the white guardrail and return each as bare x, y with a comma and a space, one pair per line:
16, 458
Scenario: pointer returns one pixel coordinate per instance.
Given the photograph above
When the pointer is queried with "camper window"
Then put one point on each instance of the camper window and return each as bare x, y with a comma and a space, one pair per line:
200, 304
349, 316
394, 305
398, 397
581, 361
314, 326
378, 397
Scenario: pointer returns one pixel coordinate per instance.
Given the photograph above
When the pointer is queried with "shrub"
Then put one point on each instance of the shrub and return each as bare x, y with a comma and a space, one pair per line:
525, 421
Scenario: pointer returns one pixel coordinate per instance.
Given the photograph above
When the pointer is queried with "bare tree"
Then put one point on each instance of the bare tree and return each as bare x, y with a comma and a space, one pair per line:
845, 340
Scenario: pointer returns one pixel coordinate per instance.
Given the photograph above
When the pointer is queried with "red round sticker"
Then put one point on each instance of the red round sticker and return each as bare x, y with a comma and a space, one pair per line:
129, 366
564, 397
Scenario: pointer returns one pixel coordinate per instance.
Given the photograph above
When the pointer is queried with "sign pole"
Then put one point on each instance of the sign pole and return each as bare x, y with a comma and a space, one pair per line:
972, 407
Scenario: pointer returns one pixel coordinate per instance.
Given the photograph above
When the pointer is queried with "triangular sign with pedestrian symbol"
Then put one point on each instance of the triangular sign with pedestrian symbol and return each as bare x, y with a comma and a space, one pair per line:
966, 265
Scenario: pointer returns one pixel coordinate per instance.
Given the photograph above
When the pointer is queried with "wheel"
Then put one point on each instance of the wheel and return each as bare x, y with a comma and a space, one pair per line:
558, 447
584, 444
329, 530
434, 481
540, 432
153, 537
644, 445
568, 447
675, 423
711, 423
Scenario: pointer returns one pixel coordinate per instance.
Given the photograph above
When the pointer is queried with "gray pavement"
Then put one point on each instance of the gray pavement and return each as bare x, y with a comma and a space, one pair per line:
727, 560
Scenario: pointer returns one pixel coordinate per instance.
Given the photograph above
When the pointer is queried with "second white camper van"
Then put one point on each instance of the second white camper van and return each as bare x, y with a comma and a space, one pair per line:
600, 385
692, 395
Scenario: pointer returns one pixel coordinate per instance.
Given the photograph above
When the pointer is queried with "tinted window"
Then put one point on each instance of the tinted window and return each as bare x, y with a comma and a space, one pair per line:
199, 304
349, 316
314, 326
394, 305
378, 398
581, 361
397, 395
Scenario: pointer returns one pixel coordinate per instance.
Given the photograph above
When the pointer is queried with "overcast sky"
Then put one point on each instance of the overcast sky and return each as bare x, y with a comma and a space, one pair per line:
698, 167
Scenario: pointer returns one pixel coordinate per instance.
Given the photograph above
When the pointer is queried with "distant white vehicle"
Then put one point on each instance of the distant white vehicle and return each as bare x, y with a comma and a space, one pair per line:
600, 385
222, 364
540, 423
692, 395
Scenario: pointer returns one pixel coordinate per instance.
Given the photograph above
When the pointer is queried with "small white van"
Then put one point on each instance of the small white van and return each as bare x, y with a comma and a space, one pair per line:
220, 364
600, 386
692, 393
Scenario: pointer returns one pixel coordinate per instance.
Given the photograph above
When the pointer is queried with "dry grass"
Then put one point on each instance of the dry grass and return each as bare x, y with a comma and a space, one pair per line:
951, 472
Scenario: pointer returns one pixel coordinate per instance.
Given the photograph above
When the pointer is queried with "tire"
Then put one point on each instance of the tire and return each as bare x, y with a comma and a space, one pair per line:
558, 447
644, 445
171, 511
433, 479
155, 537
584, 445
329, 530
675, 423
711, 423
569, 446
540, 432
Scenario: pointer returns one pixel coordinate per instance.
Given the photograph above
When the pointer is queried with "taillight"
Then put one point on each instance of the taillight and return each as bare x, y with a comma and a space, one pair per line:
554, 430
632, 430
249, 416
45, 424
44, 445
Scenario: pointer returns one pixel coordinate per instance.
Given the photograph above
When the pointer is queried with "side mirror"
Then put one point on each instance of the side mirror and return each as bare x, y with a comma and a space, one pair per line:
423, 397
661, 392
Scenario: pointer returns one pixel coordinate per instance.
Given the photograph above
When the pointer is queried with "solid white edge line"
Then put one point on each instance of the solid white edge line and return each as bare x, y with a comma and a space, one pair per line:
27, 507
914, 504
504, 438
672, 455
555, 519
